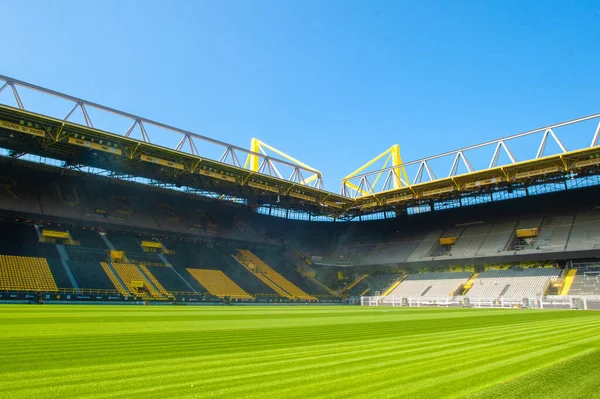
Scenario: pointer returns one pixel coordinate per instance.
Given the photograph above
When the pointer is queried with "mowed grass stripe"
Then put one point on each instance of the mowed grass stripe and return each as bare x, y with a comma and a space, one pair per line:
562, 380
174, 341
437, 363
196, 323
258, 385
466, 375
415, 344
368, 354
229, 370
274, 358
213, 341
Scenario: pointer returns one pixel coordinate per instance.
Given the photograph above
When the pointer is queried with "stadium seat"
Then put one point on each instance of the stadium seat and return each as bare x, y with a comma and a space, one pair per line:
268, 275
512, 283
22, 273
430, 285
218, 284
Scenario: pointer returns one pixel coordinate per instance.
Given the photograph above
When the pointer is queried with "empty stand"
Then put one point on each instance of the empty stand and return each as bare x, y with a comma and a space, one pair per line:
513, 283
155, 283
58, 271
372, 285
124, 242
130, 275
497, 239
218, 284
216, 257
117, 283
430, 285
88, 238
91, 275
42, 250
32, 198
424, 248
270, 277
86, 254
15, 236
585, 233
239, 273
167, 278
22, 273
470, 241
554, 233
62, 198
442, 250
392, 252
17, 193
586, 281
276, 259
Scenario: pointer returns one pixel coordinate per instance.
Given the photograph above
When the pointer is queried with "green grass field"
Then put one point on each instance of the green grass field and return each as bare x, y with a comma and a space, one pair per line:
296, 352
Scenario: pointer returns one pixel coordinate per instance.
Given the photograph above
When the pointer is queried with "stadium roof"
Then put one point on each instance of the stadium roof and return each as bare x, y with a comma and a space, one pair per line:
253, 174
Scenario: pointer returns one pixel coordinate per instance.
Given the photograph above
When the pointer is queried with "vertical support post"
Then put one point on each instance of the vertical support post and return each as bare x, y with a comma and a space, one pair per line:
254, 147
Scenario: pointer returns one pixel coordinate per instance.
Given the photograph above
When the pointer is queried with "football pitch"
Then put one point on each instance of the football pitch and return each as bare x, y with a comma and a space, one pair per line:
70, 351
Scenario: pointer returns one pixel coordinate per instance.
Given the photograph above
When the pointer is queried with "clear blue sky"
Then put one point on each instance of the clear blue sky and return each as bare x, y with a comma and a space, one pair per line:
333, 83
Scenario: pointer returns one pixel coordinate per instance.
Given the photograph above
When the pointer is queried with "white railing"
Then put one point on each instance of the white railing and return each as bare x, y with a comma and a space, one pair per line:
532, 302
409, 301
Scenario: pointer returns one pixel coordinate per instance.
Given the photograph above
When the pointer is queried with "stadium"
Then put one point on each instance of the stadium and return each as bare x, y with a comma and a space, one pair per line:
287, 286
299, 199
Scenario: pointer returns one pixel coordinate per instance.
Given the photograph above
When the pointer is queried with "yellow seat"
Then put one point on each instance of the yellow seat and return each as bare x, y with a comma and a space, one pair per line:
23, 273
218, 284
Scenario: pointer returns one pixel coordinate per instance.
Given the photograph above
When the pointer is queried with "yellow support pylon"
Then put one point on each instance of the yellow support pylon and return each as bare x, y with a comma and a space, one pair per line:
258, 147
399, 175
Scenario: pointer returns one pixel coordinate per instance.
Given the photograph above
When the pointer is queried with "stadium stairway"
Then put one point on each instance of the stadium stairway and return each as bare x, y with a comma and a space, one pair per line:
276, 260
171, 279
431, 284
109, 244
240, 273
49, 252
296, 258
219, 284
154, 282
112, 275
393, 286
513, 283
260, 275
293, 289
64, 259
568, 282
355, 282
319, 283
130, 274
268, 275
90, 275
467, 286
505, 289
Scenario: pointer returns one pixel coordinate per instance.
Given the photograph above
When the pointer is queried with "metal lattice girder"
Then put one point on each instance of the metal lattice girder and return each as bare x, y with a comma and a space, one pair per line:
425, 174
596, 136
501, 145
187, 143
396, 176
542, 146
258, 148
